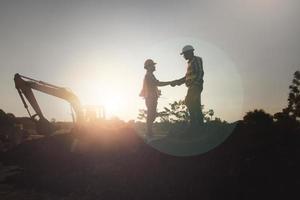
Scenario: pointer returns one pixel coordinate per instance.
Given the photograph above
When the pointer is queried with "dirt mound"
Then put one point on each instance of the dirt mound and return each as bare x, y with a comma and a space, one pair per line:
120, 165
184, 143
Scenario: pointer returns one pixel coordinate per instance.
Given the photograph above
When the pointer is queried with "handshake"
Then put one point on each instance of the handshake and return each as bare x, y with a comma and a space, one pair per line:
174, 83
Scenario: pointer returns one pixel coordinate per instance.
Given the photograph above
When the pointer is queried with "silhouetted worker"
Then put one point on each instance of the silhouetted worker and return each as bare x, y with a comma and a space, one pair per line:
151, 93
193, 79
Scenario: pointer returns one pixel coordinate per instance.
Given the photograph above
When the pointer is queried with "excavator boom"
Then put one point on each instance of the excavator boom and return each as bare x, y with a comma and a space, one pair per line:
25, 85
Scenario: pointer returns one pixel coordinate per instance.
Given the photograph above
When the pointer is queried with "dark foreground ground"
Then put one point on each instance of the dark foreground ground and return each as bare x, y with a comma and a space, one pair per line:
248, 165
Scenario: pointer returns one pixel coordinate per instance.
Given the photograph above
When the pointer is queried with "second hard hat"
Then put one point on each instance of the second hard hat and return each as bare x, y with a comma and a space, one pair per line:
149, 62
187, 48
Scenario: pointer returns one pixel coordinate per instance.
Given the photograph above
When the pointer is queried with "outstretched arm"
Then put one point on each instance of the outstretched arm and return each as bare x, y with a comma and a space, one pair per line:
154, 82
178, 82
160, 83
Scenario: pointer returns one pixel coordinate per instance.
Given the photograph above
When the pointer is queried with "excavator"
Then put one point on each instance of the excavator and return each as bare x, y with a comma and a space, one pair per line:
25, 87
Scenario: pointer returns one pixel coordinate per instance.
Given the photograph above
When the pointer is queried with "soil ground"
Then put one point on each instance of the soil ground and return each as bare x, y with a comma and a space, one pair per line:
120, 165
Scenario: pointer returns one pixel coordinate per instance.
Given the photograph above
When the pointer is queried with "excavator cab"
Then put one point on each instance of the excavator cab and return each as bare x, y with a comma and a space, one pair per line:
93, 113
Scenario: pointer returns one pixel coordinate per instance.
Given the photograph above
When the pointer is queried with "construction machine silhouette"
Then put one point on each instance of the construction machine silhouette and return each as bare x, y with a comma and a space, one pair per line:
83, 114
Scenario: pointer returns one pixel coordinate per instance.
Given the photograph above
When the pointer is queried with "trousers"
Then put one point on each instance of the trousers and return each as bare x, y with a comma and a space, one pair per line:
193, 103
151, 104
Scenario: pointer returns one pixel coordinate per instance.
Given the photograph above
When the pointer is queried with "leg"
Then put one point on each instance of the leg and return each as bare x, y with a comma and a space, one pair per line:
151, 114
189, 105
197, 104
193, 102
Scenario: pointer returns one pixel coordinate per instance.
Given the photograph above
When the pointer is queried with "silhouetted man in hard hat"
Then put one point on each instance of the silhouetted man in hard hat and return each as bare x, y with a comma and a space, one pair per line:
151, 93
193, 79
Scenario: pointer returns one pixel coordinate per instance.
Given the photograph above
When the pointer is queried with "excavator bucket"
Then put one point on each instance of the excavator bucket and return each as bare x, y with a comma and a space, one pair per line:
44, 127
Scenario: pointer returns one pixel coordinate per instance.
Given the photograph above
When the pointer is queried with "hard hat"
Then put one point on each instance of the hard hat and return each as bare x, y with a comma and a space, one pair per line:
149, 62
187, 48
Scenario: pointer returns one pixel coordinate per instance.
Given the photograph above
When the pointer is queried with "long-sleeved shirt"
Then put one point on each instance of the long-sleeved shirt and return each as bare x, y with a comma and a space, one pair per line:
194, 74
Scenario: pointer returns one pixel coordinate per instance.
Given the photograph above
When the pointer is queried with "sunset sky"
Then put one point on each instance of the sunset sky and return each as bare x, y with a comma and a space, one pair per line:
250, 50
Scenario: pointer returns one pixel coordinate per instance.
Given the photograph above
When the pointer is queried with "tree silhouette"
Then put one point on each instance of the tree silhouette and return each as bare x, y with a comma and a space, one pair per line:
258, 118
293, 108
176, 112
142, 114
211, 113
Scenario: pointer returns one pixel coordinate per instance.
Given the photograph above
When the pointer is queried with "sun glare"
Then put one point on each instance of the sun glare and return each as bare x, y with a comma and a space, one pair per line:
109, 97
112, 104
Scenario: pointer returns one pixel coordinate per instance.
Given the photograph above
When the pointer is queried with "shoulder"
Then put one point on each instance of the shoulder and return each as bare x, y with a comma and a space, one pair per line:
198, 59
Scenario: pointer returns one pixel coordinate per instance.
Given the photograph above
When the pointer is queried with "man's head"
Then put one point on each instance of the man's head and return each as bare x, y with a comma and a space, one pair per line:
188, 52
149, 65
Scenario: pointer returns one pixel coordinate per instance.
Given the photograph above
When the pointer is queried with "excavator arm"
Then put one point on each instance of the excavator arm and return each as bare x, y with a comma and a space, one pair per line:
25, 85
